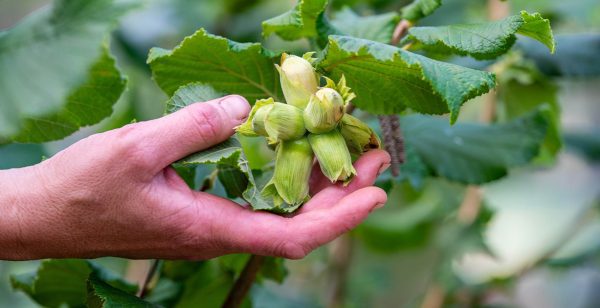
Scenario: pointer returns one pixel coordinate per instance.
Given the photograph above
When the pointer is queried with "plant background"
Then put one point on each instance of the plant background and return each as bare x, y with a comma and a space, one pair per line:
539, 205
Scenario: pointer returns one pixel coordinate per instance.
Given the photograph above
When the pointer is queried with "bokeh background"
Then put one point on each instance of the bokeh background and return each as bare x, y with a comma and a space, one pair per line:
544, 225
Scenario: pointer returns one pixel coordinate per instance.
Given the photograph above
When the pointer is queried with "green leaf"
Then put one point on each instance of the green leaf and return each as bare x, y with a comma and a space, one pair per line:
522, 89
577, 55
60, 282
299, 22
419, 9
387, 79
48, 62
87, 105
395, 228
586, 143
228, 67
191, 93
482, 40
207, 287
102, 295
378, 28
475, 153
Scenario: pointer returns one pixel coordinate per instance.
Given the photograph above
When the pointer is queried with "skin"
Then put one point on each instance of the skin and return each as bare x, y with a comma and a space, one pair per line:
115, 194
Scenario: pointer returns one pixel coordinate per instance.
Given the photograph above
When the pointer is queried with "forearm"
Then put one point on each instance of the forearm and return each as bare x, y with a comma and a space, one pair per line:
14, 197
27, 225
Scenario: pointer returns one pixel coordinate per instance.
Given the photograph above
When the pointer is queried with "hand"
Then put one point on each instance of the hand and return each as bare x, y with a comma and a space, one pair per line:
114, 194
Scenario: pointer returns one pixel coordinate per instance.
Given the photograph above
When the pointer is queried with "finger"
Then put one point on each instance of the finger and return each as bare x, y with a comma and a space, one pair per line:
191, 129
368, 167
297, 236
374, 158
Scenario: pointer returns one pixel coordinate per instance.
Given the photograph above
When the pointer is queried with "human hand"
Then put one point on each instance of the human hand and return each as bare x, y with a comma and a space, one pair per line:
115, 194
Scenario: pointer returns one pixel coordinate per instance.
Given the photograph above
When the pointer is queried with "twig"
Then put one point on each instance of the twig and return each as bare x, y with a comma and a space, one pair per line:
400, 31
151, 272
340, 256
434, 298
470, 206
389, 141
398, 138
244, 282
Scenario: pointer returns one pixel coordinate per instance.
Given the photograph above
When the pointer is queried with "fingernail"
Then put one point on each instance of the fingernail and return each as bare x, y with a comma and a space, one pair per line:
236, 107
378, 205
383, 168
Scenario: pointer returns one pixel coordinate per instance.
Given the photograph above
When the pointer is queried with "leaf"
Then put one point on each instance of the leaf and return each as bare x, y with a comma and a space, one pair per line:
207, 287
21, 155
191, 93
87, 105
475, 153
102, 295
387, 79
378, 28
523, 89
48, 61
395, 228
227, 66
297, 23
586, 143
60, 282
419, 9
228, 155
577, 55
482, 40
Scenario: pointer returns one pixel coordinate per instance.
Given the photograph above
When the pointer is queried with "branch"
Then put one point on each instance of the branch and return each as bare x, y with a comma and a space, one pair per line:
244, 282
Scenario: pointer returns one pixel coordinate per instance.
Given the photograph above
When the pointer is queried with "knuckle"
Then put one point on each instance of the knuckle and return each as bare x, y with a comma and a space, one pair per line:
207, 121
130, 148
291, 249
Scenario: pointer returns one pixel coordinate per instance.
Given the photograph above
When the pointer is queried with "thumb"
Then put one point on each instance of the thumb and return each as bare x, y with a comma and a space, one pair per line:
191, 129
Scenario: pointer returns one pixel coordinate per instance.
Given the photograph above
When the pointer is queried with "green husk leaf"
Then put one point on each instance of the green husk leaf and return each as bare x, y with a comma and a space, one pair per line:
298, 79
293, 166
247, 128
333, 156
284, 122
358, 135
324, 111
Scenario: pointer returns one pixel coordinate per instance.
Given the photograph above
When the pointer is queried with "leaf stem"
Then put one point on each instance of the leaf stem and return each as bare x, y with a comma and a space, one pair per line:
242, 285
151, 272
400, 31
